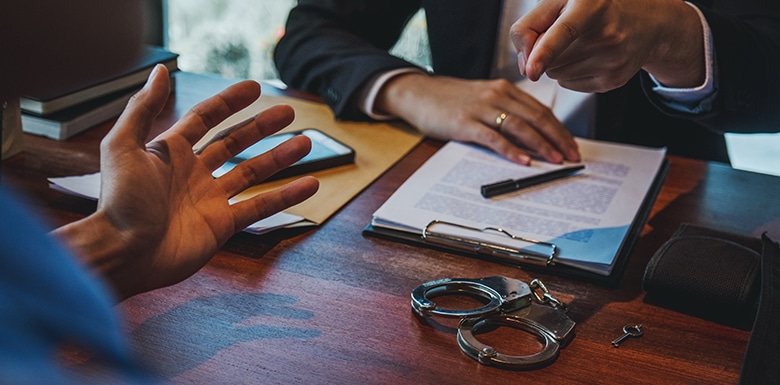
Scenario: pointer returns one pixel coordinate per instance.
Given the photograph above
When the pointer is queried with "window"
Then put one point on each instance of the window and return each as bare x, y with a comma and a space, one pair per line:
236, 38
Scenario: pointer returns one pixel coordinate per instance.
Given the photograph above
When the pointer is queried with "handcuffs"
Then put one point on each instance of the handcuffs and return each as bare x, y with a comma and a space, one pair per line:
511, 303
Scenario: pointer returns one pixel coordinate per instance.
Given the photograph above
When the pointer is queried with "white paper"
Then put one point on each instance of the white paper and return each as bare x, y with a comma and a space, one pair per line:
754, 152
586, 215
88, 186
576, 110
85, 186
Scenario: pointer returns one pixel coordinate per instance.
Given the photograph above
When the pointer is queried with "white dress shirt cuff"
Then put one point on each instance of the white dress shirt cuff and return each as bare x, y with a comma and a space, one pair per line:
372, 90
698, 99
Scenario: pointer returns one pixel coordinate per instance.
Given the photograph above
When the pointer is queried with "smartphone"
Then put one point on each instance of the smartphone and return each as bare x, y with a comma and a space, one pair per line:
326, 152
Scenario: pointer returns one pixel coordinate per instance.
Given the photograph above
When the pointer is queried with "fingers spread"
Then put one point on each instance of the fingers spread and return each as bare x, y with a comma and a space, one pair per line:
134, 124
264, 205
253, 171
207, 114
233, 141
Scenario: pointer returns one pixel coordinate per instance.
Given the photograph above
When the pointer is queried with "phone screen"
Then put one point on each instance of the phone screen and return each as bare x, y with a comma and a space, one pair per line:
325, 152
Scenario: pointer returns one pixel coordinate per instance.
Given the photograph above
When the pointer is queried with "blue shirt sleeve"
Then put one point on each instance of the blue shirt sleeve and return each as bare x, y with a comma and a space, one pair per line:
48, 299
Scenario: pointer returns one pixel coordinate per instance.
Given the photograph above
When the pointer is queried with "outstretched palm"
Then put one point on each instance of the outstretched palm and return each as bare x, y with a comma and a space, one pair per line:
161, 216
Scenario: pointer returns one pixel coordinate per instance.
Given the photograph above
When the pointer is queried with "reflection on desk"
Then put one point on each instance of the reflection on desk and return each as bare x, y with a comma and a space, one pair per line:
328, 305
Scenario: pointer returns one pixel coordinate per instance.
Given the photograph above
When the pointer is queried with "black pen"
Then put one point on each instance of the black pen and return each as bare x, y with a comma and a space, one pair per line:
509, 185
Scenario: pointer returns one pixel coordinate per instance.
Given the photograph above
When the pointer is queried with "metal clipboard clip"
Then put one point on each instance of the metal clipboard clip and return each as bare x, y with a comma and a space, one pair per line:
507, 253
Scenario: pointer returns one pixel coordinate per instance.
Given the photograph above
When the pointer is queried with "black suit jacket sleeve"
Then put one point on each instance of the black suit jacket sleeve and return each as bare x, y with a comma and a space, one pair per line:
746, 35
332, 48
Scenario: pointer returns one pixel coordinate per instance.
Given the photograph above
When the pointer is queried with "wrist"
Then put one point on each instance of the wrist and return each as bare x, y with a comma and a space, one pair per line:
101, 249
399, 95
679, 59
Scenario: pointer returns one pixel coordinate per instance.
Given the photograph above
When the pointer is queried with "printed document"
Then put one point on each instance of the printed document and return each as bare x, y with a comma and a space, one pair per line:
587, 215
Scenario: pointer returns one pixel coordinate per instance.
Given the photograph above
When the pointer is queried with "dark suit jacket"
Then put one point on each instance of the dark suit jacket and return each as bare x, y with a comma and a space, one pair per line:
333, 48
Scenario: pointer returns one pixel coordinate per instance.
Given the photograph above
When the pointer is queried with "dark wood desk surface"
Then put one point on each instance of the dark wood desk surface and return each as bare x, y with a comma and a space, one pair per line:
328, 305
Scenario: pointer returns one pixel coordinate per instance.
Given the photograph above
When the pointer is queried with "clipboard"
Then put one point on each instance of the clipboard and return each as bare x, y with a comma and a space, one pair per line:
538, 263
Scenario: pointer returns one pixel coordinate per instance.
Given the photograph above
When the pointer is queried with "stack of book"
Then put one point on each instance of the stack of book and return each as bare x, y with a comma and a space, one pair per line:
61, 113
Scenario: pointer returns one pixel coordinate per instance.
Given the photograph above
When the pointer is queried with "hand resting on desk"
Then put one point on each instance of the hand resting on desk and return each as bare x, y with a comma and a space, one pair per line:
465, 110
161, 216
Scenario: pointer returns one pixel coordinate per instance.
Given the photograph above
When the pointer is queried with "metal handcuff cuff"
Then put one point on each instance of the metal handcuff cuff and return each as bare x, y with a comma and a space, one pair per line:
511, 303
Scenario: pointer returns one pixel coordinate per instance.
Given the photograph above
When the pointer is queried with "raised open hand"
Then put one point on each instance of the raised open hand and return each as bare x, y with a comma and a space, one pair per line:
161, 215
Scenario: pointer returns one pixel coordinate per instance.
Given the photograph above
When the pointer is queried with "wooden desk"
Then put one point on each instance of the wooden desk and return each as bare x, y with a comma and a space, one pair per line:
327, 305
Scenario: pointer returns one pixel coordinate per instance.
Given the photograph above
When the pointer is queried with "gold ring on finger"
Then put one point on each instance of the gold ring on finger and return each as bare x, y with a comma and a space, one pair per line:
500, 120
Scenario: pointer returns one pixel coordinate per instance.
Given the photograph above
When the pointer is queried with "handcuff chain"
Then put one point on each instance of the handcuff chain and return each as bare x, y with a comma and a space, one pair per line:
546, 297
513, 303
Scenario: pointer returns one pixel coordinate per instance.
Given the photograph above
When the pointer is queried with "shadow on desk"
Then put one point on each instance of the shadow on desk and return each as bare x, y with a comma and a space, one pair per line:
205, 326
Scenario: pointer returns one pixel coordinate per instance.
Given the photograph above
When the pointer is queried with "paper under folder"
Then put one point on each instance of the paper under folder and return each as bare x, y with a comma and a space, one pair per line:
425, 222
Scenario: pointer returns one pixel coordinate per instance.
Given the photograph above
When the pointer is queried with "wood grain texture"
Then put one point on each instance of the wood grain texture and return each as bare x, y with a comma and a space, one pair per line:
328, 305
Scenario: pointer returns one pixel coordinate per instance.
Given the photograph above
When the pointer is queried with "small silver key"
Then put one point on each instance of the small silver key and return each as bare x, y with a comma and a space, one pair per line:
628, 331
